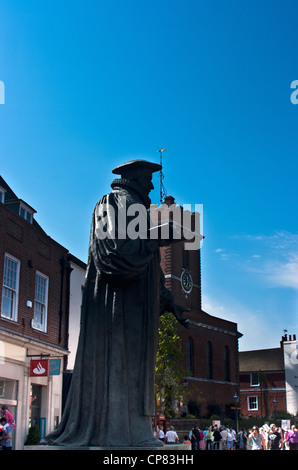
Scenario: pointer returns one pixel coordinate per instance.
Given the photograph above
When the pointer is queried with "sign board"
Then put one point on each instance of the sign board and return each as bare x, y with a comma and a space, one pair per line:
44, 367
54, 366
285, 424
39, 368
42, 428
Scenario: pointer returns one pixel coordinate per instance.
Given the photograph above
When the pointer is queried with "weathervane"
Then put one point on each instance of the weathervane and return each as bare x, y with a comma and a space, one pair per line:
161, 176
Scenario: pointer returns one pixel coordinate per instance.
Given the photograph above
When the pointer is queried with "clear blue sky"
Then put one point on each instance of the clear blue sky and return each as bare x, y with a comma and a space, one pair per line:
91, 84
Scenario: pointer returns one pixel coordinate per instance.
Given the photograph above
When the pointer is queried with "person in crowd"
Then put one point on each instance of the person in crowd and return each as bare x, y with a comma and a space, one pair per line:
285, 439
256, 440
217, 438
224, 434
160, 435
292, 438
9, 416
171, 436
186, 440
209, 438
264, 434
231, 435
241, 440
195, 438
274, 438
202, 440
6, 438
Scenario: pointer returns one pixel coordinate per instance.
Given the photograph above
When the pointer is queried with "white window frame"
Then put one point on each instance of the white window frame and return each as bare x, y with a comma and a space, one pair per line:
15, 300
251, 379
35, 323
28, 215
249, 407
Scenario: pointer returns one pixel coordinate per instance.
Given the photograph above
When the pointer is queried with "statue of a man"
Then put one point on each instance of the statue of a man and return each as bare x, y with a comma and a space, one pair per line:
111, 399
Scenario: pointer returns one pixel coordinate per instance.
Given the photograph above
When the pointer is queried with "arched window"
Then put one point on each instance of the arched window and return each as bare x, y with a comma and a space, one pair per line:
227, 364
190, 356
209, 360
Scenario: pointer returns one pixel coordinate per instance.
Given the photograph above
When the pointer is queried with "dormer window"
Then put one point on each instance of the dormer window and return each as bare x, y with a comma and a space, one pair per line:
25, 213
2, 195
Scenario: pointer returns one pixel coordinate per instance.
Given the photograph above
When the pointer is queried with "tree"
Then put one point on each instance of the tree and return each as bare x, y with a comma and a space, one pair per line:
168, 371
33, 437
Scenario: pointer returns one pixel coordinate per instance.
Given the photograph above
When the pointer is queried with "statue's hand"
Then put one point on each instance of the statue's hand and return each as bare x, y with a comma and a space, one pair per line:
178, 310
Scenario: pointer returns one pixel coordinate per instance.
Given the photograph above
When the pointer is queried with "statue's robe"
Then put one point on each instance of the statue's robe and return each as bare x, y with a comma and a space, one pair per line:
111, 398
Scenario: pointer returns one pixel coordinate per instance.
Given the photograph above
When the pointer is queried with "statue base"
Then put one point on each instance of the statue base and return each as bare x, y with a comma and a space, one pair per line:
164, 448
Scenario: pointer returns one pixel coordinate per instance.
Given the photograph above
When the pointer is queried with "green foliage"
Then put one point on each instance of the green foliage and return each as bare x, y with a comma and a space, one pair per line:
194, 408
213, 408
33, 437
168, 372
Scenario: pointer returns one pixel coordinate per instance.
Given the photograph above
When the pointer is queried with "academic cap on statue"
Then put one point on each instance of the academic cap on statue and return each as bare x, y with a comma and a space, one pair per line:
136, 167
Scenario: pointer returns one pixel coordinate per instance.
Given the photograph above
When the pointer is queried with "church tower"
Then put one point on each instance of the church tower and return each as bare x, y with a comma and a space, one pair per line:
182, 269
210, 345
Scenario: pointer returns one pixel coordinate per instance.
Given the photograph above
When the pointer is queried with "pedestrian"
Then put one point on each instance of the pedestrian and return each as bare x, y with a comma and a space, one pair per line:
9, 416
274, 438
209, 438
244, 440
224, 434
186, 440
6, 440
256, 439
217, 438
265, 437
202, 440
285, 439
292, 438
161, 435
230, 439
195, 438
184, 411
171, 436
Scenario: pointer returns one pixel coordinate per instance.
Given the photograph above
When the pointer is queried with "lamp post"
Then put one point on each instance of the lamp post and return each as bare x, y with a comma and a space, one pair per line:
236, 400
275, 401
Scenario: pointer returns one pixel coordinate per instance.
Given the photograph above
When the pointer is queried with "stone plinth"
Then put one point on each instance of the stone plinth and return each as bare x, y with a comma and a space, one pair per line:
164, 448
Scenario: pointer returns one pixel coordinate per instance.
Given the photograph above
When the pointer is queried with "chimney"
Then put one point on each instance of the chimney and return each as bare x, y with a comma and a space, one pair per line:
283, 339
169, 200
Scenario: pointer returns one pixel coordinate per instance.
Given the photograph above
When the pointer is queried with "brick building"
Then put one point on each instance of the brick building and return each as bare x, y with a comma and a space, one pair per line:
261, 381
210, 346
34, 301
268, 379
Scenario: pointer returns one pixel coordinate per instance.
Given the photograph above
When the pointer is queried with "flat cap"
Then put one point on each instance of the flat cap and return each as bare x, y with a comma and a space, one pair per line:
137, 166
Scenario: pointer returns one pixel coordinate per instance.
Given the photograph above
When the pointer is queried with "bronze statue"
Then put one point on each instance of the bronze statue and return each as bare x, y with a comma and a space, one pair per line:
111, 399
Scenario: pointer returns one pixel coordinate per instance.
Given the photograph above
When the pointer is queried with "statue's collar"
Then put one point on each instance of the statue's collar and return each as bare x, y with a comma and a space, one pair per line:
130, 184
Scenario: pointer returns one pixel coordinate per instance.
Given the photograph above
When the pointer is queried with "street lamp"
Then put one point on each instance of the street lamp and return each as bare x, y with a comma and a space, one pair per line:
275, 401
236, 400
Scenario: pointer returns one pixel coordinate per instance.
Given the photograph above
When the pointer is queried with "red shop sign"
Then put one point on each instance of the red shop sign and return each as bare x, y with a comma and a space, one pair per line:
39, 368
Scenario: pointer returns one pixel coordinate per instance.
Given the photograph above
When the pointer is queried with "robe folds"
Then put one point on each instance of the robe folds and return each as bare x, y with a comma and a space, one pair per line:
111, 397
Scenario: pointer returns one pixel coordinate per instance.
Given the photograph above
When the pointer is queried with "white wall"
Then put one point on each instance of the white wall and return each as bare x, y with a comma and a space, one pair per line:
291, 375
77, 281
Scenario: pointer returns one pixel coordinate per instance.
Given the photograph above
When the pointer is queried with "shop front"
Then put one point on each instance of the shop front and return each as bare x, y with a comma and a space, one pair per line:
31, 387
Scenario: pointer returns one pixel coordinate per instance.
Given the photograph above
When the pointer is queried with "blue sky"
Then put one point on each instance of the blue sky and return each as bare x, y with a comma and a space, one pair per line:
89, 85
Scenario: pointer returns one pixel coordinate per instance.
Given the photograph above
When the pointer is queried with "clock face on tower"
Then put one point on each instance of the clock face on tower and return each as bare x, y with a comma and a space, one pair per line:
186, 282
